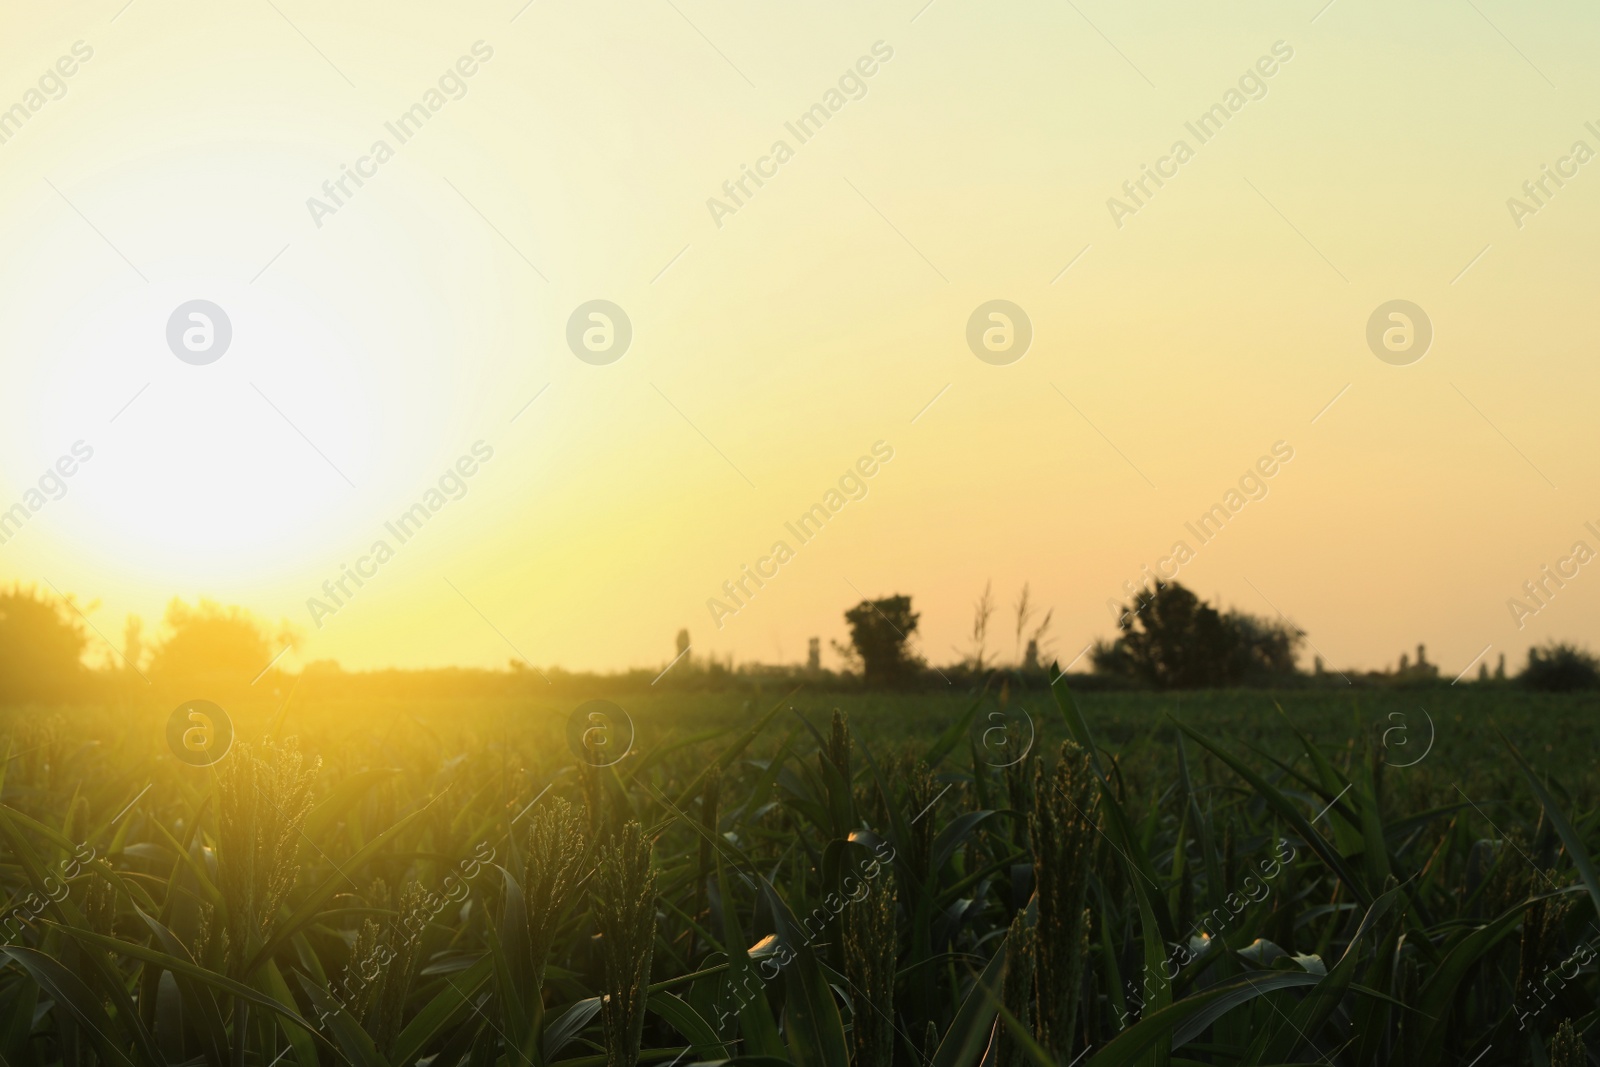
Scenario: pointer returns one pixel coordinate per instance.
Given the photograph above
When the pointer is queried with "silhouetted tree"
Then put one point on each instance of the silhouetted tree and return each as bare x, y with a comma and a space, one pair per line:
1171, 639
879, 633
41, 648
1560, 667
214, 646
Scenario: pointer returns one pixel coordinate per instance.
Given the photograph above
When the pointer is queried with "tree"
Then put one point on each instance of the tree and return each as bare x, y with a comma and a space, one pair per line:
1171, 639
214, 646
41, 649
1560, 667
879, 633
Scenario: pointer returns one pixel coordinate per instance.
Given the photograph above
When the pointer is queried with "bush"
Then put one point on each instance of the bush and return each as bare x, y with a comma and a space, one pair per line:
41, 649
1560, 667
1171, 639
215, 648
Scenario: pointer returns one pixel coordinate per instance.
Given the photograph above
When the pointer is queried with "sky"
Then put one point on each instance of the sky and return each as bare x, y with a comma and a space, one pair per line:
426, 340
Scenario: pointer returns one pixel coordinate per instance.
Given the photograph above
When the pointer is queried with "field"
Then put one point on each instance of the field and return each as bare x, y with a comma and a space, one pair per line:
914, 881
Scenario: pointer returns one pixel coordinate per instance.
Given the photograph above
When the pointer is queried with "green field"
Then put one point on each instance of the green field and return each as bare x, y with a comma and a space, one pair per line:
1309, 876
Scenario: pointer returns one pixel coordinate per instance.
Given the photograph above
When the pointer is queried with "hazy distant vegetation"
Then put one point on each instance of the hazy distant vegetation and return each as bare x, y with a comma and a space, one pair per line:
1168, 638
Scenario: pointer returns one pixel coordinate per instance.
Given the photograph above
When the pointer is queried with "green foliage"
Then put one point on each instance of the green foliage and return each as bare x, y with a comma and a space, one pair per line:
1222, 885
880, 632
41, 647
1063, 832
1566, 1049
1560, 667
625, 919
223, 649
1171, 639
870, 950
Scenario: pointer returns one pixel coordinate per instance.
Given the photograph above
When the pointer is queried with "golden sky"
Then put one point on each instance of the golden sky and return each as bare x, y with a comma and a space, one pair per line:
935, 157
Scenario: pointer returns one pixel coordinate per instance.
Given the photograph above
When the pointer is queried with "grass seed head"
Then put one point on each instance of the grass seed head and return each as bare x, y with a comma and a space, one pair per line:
922, 795
1016, 992
625, 917
870, 952
1064, 830
556, 849
377, 980
1566, 1048
266, 793
1543, 923
838, 751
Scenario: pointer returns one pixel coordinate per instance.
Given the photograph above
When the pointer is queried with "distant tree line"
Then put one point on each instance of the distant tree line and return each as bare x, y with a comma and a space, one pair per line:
43, 642
1167, 638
